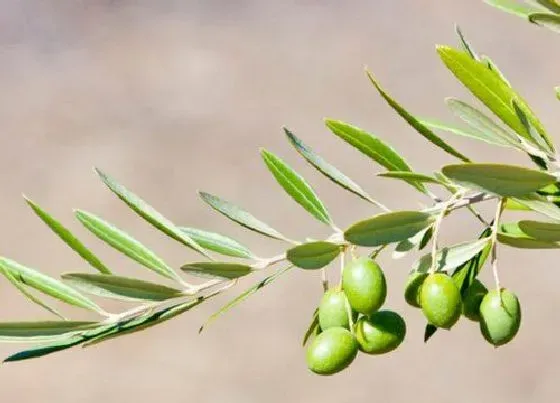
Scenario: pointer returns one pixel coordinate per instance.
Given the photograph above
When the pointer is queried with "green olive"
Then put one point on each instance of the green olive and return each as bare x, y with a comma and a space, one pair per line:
331, 351
333, 310
413, 287
364, 284
472, 299
500, 316
441, 300
381, 332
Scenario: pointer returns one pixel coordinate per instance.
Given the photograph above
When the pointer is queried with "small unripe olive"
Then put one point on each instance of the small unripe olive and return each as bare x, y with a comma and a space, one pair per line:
441, 300
500, 316
381, 332
364, 284
472, 299
331, 351
333, 310
413, 287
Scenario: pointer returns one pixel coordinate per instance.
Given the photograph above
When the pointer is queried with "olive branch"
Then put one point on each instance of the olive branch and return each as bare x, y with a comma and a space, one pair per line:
467, 184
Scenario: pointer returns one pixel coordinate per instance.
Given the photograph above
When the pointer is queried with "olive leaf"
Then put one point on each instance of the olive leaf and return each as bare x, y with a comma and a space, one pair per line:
68, 238
539, 204
459, 131
47, 285
504, 180
296, 187
482, 127
544, 231
491, 90
405, 246
122, 288
550, 21
325, 168
415, 123
552, 5
21, 286
387, 228
494, 68
217, 269
125, 244
313, 328
148, 213
244, 295
372, 147
512, 235
218, 243
34, 332
240, 216
513, 7
448, 258
313, 255
530, 129
465, 44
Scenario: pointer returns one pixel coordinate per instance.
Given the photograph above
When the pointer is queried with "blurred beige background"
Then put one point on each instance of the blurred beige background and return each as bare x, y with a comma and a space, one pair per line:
174, 96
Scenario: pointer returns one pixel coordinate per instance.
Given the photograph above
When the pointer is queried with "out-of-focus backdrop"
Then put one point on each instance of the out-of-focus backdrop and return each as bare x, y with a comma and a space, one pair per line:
174, 96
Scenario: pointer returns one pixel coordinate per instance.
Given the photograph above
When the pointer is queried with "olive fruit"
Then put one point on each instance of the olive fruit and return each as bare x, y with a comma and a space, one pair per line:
331, 351
364, 284
333, 310
472, 299
500, 316
441, 300
413, 287
381, 332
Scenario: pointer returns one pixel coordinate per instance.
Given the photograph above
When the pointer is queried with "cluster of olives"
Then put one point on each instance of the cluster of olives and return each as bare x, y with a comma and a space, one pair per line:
350, 320
497, 311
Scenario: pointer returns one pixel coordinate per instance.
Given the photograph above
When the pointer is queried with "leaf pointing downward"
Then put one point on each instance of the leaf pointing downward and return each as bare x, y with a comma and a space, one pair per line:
240, 216
125, 244
325, 168
68, 238
296, 187
148, 213
415, 123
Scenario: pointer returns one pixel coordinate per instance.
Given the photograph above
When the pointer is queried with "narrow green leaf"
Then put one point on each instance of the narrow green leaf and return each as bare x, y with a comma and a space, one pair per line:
313, 327
240, 216
403, 247
513, 204
68, 238
543, 231
46, 285
513, 7
504, 180
313, 255
451, 257
217, 269
557, 90
416, 124
33, 298
125, 244
530, 129
408, 176
491, 90
483, 128
471, 132
465, 44
387, 228
372, 147
148, 213
540, 204
244, 295
325, 168
123, 288
429, 331
525, 242
40, 331
296, 187
218, 243
550, 21
552, 5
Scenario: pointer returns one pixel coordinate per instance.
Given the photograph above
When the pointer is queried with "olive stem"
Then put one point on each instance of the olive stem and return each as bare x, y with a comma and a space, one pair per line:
324, 279
437, 226
342, 259
494, 240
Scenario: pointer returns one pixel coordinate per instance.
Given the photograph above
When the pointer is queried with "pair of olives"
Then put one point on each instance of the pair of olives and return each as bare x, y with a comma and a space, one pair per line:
497, 311
362, 293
